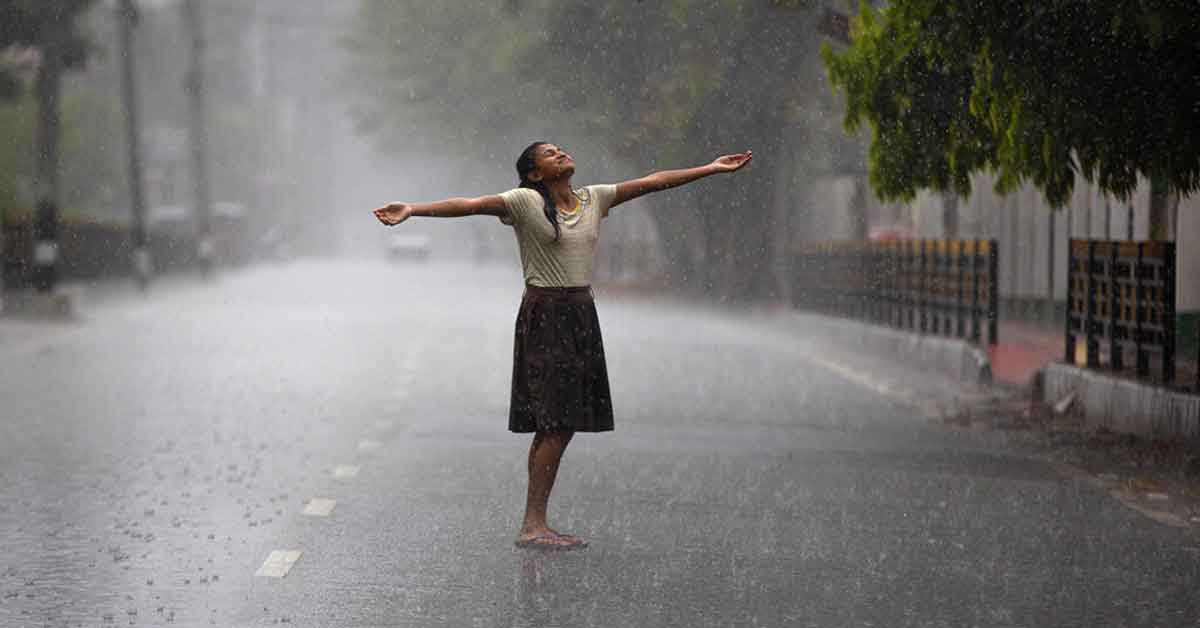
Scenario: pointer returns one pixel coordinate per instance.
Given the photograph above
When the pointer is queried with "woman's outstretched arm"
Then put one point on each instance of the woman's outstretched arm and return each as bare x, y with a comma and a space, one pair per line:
667, 179
395, 213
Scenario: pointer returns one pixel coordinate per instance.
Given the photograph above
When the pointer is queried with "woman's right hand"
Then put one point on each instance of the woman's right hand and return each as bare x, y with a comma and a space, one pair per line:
393, 214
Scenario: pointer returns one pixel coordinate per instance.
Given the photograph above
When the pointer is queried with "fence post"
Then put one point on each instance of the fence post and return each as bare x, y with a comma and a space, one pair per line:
935, 292
946, 288
870, 285
1141, 359
993, 292
1072, 288
1116, 309
1168, 311
910, 284
887, 257
976, 270
922, 286
897, 259
1089, 325
960, 304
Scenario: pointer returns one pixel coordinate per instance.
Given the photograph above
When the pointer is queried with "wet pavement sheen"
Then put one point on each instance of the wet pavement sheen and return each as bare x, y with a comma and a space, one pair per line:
154, 456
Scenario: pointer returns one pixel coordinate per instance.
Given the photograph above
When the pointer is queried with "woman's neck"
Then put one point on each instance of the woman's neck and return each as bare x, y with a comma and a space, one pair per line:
561, 194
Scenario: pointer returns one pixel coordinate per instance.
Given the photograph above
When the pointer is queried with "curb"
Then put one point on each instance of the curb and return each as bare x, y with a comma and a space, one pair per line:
1123, 405
956, 358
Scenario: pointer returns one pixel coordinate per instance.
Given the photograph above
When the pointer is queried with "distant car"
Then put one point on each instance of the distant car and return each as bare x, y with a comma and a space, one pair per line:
408, 246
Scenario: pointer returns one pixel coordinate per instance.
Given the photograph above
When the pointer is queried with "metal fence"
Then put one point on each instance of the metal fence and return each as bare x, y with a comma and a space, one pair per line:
1121, 304
941, 287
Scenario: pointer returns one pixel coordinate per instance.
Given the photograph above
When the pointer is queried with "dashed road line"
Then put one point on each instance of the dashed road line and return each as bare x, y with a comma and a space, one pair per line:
319, 507
858, 377
346, 471
368, 445
278, 563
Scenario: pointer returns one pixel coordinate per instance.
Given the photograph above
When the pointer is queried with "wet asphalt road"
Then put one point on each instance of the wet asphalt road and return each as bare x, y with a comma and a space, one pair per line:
153, 456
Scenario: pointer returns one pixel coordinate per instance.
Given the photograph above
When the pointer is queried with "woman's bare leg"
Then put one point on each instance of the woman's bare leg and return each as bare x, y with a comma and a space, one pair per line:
544, 455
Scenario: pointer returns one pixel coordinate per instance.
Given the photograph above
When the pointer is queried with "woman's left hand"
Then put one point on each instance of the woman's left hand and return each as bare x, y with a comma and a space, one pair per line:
730, 163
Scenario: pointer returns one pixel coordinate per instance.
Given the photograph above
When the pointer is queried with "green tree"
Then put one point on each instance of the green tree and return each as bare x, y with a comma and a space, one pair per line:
1030, 90
50, 28
90, 123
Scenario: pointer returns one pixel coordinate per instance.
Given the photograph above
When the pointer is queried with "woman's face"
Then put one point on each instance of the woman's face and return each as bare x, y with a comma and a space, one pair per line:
551, 163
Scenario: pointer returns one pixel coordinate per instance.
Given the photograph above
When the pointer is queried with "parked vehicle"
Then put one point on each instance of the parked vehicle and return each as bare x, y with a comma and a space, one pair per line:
408, 246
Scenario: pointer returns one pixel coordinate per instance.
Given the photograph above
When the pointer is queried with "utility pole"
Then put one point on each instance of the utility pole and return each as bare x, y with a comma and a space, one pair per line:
127, 18
194, 84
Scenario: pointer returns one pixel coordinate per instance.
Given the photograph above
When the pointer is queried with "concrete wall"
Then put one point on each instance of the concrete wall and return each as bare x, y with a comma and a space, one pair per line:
1123, 405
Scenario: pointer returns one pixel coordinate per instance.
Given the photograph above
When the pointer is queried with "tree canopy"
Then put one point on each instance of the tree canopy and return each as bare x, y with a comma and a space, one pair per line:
1030, 90
49, 26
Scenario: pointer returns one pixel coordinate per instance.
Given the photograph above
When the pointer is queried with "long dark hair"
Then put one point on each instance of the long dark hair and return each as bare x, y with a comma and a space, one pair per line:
526, 164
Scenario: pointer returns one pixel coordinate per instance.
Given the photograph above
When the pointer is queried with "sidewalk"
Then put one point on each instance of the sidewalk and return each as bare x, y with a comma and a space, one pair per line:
1026, 347
1023, 349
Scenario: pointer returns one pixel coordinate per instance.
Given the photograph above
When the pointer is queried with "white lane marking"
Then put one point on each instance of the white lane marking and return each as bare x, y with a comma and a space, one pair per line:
384, 424
344, 471
368, 445
861, 378
278, 563
898, 394
319, 507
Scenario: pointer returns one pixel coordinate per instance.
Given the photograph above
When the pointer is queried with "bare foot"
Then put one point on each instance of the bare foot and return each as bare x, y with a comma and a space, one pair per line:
570, 537
549, 539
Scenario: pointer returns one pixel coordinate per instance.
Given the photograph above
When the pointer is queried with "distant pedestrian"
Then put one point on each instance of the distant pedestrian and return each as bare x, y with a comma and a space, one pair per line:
560, 380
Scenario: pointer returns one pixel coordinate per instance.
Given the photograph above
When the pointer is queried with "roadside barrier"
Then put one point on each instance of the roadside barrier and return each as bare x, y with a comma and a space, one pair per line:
937, 287
1121, 305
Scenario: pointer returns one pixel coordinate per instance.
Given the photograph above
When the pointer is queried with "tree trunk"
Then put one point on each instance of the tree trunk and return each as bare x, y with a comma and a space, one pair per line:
1164, 204
197, 135
681, 238
859, 222
47, 89
949, 216
126, 16
779, 227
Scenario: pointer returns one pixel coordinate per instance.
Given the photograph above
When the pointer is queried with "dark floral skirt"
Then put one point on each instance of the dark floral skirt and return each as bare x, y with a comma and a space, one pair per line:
560, 380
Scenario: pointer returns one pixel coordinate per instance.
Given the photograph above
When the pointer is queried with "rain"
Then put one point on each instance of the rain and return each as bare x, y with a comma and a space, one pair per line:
790, 313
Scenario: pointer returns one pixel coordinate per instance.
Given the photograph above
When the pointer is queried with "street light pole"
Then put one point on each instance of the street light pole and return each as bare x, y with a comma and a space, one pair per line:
126, 18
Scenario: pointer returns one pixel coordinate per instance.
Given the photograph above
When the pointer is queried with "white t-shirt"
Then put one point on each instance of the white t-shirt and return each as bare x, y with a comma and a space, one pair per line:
569, 260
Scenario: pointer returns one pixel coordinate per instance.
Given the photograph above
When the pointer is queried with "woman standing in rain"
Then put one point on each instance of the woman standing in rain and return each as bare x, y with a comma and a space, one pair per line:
559, 381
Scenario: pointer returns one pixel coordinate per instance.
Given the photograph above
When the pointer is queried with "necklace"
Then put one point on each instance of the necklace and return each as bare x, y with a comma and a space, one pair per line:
572, 211
569, 217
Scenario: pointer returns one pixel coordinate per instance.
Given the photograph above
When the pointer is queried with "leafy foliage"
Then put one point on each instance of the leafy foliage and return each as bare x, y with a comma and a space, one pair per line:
46, 25
1031, 90
90, 124
91, 176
